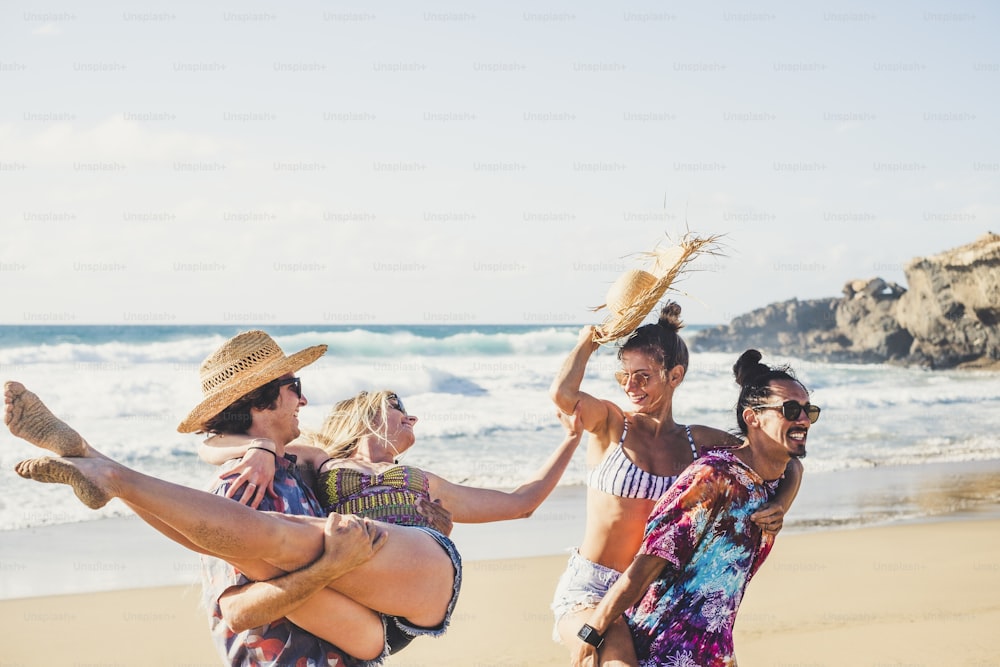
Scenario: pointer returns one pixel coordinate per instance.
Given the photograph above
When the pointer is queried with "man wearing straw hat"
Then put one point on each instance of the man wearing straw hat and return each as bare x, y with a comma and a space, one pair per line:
249, 387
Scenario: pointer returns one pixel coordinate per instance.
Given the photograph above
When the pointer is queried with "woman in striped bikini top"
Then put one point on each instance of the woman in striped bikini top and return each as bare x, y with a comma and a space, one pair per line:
618, 475
628, 477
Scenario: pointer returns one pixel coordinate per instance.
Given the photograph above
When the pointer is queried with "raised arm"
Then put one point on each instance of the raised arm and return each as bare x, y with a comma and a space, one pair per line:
471, 504
565, 390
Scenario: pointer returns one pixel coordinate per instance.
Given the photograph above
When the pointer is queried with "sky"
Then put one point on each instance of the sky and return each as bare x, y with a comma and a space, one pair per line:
461, 163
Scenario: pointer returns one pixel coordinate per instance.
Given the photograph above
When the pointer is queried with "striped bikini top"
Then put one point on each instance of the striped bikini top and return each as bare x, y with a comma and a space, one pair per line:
617, 475
389, 496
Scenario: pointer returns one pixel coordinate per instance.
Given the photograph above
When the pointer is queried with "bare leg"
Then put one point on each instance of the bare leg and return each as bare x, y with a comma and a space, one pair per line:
169, 532
414, 572
96, 479
349, 625
417, 574
617, 650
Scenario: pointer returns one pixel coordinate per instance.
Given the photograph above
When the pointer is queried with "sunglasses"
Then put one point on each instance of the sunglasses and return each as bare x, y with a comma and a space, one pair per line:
294, 383
396, 403
791, 410
641, 378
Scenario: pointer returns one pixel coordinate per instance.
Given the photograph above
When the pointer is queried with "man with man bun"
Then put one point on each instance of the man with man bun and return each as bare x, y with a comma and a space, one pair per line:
681, 593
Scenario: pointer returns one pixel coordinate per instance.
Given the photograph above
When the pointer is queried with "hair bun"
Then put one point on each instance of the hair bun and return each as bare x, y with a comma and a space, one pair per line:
748, 366
670, 316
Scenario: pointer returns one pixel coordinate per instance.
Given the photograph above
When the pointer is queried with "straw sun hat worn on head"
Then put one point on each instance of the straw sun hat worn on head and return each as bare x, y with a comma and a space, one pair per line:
245, 362
634, 294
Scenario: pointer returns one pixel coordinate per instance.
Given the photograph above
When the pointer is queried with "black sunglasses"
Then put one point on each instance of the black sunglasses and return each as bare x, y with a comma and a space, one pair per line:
396, 402
791, 410
295, 383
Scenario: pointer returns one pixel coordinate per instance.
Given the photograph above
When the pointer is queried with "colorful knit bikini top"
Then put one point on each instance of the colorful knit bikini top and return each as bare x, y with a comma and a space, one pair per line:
389, 496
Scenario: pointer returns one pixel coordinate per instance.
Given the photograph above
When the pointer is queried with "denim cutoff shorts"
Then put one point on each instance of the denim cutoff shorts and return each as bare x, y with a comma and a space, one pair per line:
581, 586
399, 632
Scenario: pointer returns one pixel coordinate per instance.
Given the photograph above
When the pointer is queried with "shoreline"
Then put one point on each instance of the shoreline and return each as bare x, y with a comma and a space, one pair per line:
916, 593
124, 553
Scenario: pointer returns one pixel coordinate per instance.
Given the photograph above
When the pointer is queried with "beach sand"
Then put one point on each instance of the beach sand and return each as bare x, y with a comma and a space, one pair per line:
910, 594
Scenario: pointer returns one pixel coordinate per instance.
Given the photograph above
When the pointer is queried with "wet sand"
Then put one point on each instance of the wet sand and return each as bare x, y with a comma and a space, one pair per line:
913, 594
114, 592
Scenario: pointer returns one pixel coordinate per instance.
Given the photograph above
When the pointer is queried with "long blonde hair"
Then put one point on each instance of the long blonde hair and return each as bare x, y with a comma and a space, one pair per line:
351, 420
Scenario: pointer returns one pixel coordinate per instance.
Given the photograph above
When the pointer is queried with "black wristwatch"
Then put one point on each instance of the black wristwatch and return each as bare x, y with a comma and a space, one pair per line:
591, 636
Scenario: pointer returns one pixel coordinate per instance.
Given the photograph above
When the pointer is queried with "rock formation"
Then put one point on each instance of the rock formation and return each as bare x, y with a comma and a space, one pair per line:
949, 316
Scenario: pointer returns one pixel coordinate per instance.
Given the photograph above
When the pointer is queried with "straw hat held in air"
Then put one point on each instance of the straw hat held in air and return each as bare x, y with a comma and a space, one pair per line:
634, 294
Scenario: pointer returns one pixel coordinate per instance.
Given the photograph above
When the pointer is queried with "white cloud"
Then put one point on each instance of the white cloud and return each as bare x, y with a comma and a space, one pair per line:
394, 188
113, 139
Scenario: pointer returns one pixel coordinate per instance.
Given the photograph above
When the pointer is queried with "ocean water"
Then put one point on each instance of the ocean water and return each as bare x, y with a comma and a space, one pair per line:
480, 393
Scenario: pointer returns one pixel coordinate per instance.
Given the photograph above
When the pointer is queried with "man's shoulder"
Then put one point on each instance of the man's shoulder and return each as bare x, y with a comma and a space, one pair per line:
708, 438
716, 466
722, 458
714, 461
727, 470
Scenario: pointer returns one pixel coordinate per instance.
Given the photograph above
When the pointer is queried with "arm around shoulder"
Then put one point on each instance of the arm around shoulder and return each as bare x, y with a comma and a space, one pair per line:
252, 478
310, 455
217, 449
771, 516
788, 488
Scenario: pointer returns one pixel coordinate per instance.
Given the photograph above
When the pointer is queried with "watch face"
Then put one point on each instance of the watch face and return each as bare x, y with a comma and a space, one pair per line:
590, 635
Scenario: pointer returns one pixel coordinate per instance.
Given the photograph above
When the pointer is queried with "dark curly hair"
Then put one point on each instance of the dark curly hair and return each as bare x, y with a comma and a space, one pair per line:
236, 419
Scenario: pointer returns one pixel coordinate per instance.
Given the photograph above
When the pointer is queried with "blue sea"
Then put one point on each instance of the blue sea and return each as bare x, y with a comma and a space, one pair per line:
481, 394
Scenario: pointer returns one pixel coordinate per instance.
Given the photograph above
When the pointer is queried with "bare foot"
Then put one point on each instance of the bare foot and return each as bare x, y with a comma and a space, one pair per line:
28, 418
64, 471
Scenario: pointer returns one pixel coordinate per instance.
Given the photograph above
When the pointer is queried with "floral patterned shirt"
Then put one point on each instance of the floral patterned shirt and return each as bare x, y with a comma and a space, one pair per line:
701, 528
282, 642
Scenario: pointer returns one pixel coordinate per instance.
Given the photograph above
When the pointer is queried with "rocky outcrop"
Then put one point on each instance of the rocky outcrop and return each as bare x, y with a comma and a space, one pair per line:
949, 316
